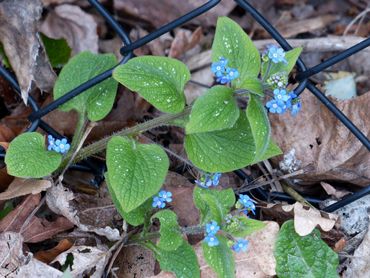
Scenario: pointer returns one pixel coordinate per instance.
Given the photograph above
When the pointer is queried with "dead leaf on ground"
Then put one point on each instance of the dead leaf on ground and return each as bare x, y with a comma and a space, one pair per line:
21, 187
73, 24
135, 261
5, 179
334, 192
159, 13
328, 150
46, 256
86, 259
184, 41
306, 219
61, 201
38, 229
358, 265
38, 269
258, 261
22, 45
11, 253
6, 134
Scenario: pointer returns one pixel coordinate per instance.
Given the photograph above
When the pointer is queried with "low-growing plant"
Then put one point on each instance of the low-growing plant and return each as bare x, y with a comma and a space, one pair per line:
220, 136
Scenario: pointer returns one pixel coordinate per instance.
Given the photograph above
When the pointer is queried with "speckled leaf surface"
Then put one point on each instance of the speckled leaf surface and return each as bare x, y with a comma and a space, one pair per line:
27, 157
242, 226
97, 101
213, 204
135, 171
159, 80
223, 150
271, 151
234, 44
182, 262
215, 110
308, 256
170, 236
220, 258
260, 125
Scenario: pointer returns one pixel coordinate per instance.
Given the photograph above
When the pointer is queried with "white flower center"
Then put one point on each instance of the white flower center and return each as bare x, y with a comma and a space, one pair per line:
274, 105
274, 55
61, 146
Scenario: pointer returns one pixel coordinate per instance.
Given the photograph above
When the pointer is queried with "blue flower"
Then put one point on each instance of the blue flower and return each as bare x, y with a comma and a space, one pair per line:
61, 146
219, 68
212, 228
275, 106
240, 245
276, 54
158, 202
51, 142
165, 195
223, 79
281, 95
296, 107
247, 203
232, 73
211, 240
216, 179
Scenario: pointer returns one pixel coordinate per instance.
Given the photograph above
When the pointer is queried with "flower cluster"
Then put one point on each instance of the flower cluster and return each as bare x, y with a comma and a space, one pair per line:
210, 236
246, 204
223, 73
278, 80
58, 145
161, 199
208, 179
284, 101
276, 54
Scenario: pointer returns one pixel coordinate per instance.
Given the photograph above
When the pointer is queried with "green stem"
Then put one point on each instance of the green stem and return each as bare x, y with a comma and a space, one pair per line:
79, 131
100, 145
267, 72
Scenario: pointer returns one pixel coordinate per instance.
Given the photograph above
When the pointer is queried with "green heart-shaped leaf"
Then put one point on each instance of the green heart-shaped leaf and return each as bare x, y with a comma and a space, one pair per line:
215, 110
159, 80
135, 171
27, 157
97, 101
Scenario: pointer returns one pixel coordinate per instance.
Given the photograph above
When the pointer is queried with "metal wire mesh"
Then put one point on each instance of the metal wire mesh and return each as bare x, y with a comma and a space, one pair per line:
303, 77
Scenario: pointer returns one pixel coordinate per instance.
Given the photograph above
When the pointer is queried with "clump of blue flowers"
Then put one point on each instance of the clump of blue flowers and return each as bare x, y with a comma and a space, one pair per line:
209, 179
210, 236
284, 101
240, 245
161, 199
223, 73
246, 204
58, 145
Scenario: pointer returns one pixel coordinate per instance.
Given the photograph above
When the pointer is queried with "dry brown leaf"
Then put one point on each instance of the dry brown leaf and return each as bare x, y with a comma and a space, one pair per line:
6, 134
336, 193
46, 256
11, 253
38, 229
135, 261
184, 41
37, 269
306, 219
322, 144
358, 265
161, 12
21, 187
73, 24
62, 201
258, 261
86, 259
5, 179
22, 45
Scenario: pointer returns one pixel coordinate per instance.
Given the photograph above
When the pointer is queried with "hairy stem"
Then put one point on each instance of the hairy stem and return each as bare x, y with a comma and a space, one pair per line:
100, 145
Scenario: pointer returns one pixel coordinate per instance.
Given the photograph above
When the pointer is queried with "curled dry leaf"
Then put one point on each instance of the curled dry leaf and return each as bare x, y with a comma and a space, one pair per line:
22, 45
21, 187
60, 201
86, 259
358, 265
184, 41
334, 192
46, 256
37, 229
306, 219
258, 261
327, 150
73, 24
161, 12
